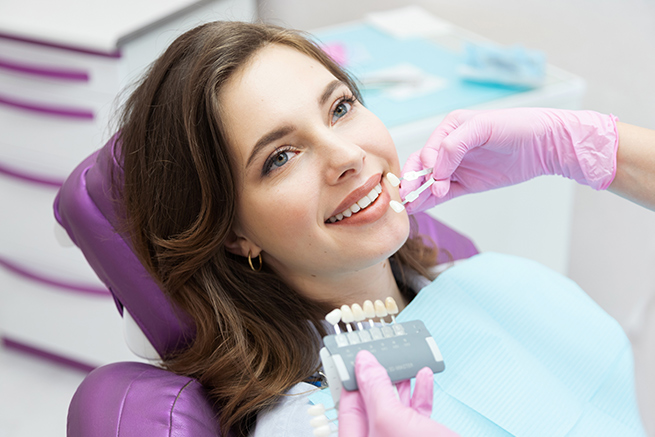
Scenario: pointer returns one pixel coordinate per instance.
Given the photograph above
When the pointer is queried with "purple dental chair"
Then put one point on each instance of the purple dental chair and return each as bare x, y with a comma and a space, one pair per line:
133, 399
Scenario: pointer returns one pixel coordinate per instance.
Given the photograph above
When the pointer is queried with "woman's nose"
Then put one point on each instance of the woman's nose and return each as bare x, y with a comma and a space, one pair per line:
342, 159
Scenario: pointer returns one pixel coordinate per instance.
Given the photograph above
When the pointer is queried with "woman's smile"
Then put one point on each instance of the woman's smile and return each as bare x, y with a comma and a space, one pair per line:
366, 204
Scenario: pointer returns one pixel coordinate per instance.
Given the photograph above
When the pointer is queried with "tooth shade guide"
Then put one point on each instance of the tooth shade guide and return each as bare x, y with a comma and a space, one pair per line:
396, 206
409, 176
333, 318
347, 317
358, 315
316, 410
392, 308
393, 179
380, 311
369, 312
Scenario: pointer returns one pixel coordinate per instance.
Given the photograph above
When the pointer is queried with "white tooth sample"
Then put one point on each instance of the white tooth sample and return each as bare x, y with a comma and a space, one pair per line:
369, 309
323, 431
358, 312
378, 188
316, 410
332, 219
393, 179
391, 306
317, 421
334, 316
339, 216
396, 206
347, 314
347, 213
364, 202
372, 195
354, 208
380, 309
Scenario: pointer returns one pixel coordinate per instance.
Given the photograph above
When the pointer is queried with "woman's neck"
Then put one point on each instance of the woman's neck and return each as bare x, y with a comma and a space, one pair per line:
373, 283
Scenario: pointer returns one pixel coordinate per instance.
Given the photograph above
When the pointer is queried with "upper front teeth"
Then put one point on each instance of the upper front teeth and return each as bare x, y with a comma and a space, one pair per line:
359, 205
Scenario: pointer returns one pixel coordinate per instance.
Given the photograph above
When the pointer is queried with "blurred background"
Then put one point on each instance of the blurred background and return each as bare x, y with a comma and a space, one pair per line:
604, 243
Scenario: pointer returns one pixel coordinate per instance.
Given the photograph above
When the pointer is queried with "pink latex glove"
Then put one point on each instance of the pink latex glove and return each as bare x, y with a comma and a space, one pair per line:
375, 410
473, 151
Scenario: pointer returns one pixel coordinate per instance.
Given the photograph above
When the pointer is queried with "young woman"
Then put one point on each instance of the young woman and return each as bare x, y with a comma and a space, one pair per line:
254, 193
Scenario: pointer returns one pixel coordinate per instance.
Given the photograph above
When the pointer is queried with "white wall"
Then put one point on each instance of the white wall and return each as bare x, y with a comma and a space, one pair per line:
610, 43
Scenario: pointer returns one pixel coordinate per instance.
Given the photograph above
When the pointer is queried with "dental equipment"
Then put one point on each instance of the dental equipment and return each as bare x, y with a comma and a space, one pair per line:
333, 318
347, 317
392, 308
412, 196
402, 351
398, 207
369, 312
358, 314
409, 176
380, 311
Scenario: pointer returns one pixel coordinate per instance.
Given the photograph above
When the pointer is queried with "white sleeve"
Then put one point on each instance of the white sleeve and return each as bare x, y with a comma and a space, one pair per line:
289, 417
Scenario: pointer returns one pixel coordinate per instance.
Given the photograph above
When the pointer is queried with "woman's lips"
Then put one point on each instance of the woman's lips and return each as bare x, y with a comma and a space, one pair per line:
358, 194
370, 214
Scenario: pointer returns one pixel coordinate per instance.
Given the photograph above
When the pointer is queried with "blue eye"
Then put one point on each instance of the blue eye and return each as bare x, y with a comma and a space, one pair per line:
277, 159
342, 109
280, 159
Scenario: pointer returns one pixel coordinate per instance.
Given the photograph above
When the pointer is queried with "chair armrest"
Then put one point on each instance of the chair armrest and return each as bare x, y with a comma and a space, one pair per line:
130, 399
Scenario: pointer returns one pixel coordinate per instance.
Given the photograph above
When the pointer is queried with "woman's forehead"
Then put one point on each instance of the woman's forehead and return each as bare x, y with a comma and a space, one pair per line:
277, 69
279, 86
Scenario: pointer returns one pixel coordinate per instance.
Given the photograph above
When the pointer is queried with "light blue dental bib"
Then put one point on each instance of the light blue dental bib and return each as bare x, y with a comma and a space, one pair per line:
527, 353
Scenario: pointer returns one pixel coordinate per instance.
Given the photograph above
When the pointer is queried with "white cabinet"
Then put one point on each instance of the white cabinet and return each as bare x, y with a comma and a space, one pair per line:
63, 66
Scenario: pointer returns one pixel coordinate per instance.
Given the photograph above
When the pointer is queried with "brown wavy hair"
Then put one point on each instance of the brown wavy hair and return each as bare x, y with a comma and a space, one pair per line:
255, 336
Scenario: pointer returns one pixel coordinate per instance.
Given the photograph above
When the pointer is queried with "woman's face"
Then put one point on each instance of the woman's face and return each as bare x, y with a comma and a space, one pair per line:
305, 152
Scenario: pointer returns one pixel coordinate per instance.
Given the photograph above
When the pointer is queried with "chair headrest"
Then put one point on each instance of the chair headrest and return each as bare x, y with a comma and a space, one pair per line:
86, 208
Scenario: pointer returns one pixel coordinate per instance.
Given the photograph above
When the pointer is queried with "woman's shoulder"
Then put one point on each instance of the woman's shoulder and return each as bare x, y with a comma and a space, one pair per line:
288, 417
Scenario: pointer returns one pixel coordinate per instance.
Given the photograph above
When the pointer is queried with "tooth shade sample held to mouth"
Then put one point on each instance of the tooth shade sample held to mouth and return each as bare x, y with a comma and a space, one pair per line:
392, 178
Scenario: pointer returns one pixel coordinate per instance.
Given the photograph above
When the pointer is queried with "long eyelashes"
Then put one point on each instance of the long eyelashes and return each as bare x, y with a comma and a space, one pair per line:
277, 159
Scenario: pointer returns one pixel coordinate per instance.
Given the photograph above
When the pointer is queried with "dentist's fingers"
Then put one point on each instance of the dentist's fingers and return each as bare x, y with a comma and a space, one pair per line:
404, 392
353, 421
423, 392
374, 384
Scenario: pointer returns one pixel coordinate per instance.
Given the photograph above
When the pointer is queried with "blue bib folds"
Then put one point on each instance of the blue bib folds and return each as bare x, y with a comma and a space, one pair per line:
527, 353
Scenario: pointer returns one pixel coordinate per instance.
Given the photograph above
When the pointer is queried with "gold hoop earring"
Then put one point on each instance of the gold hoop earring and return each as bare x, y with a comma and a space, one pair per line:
261, 263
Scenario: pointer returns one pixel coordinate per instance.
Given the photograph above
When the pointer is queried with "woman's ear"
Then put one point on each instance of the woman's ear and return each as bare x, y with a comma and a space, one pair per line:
240, 245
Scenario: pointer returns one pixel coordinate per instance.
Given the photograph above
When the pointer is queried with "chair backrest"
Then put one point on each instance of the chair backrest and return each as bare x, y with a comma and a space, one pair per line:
86, 208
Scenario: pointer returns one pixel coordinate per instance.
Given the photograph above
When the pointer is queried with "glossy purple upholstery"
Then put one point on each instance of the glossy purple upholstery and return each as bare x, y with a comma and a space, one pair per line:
135, 399
84, 207
139, 400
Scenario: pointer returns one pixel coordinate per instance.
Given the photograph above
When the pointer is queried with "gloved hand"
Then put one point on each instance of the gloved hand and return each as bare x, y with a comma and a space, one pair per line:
375, 410
473, 151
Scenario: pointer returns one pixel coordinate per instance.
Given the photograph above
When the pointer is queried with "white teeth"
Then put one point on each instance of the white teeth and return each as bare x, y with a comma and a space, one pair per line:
364, 202
359, 205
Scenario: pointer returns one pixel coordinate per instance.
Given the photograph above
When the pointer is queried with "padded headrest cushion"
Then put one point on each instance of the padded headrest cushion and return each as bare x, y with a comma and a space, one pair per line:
84, 207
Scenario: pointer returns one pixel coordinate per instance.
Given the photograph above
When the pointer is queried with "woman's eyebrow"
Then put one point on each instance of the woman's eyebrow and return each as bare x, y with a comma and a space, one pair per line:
281, 132
329, 89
